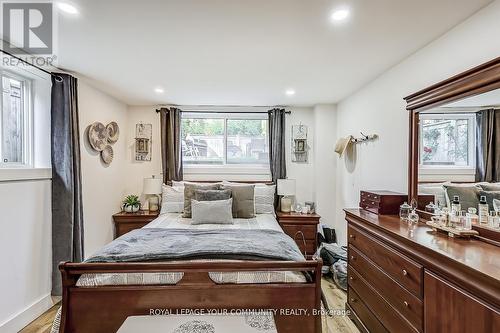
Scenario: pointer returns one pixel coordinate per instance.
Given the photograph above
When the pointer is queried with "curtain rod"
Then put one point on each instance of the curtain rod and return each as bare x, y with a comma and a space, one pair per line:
225, 112
35, 66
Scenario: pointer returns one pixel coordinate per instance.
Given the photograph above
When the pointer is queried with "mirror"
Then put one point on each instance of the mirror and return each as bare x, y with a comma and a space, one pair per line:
459, 154
454, 143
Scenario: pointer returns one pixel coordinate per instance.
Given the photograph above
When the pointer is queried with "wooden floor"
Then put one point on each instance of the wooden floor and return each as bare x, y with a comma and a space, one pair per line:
336, 299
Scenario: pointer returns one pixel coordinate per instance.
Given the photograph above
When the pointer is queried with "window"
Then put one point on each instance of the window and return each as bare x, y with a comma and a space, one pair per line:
15, 121
447, 140
224, 139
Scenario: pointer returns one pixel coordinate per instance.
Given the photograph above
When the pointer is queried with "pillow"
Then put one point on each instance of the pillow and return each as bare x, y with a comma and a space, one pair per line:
243, 200
468, 195
435, 189
189, 193
490, 196
214, 212
172, 199
212, 195
496, 205
490, 187
263, 197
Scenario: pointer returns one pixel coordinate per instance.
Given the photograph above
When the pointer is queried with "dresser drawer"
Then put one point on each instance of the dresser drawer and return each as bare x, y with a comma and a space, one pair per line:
364, 314
408, 306
391, 320
403, 270
292, 230
368, 196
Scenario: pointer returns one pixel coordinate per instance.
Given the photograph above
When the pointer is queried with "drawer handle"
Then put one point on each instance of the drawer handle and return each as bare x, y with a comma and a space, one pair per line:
353, 300
406, 304
405, 273
353, 257
351, 278
352, 236
373, 202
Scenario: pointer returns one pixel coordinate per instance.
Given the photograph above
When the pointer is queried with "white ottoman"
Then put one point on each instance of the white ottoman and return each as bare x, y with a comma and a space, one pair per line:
242, 323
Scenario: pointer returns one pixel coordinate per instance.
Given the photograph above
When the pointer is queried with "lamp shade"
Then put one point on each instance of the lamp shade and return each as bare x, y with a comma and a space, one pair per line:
152, 185
286, 186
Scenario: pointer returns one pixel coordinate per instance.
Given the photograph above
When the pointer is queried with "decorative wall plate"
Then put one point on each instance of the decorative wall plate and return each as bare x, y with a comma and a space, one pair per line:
97, 136
107, 154
113, 132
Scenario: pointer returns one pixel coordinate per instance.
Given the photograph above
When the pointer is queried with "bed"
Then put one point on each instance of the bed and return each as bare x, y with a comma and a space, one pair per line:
99, 296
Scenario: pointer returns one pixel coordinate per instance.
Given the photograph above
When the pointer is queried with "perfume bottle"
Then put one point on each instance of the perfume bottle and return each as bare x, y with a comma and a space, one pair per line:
461, 220
483, 210
413, 217
472, 217
455, 204
494, 220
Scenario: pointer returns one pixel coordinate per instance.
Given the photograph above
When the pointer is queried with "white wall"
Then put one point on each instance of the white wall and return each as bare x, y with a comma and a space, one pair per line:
26, 255
379, 107
325, 162
104, 186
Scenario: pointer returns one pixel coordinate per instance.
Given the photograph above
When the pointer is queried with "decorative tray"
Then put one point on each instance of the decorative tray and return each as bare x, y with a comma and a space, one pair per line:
452, 232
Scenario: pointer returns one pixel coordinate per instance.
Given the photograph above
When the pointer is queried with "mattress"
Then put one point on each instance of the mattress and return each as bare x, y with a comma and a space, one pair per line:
176, 221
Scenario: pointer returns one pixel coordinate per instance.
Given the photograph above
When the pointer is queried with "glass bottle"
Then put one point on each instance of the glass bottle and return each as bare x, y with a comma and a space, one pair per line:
455, 204
404, 211
473, 218
431, 208
494, 219
413, 217
483, 210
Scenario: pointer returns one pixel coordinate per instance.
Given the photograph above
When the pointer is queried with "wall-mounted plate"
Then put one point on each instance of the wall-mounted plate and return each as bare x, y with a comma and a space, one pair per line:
113, 132
97, 136
107, 154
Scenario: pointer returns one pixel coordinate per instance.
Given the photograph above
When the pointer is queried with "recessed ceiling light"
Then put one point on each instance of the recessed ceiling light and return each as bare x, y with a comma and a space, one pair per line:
159, 90
290, 92
67, 8
340, 14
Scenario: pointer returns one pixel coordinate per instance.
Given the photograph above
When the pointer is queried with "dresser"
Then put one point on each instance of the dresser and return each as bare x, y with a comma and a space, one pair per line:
403, 279
303, 228
125, 222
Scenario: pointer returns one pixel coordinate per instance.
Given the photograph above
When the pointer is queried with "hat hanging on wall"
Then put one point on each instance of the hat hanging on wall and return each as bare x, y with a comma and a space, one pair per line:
342, 145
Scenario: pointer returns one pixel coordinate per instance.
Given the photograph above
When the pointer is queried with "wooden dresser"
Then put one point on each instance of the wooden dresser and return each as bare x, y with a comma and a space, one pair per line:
414, 280
125, 222
303, 228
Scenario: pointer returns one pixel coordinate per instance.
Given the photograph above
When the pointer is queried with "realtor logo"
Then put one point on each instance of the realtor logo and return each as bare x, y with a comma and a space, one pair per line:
27, 27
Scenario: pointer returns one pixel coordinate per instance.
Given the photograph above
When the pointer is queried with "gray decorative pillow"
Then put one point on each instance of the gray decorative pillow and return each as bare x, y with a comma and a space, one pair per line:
469, 195
189, 193
490, 196
490, 187
212, 195
212, 212
243, 200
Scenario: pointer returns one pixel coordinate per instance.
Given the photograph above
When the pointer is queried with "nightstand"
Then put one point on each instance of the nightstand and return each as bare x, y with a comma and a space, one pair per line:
303, 228
125, 222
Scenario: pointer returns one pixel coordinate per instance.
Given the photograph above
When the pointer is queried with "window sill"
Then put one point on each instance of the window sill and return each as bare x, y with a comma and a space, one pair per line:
19, 174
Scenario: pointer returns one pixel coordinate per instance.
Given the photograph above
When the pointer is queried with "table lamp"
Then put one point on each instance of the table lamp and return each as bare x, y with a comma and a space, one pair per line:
152, 190
286, 188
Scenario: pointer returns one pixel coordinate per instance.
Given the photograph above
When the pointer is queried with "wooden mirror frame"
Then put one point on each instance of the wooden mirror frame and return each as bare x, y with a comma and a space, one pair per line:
475, 81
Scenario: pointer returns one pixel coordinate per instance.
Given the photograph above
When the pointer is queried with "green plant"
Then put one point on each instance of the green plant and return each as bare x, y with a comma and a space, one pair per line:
131, 200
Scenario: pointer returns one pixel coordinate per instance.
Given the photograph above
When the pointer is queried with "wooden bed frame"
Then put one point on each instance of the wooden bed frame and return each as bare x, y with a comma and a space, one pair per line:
103, 309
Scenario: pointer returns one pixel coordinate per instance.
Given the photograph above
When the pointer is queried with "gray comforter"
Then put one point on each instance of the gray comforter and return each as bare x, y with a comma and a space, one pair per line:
150, 244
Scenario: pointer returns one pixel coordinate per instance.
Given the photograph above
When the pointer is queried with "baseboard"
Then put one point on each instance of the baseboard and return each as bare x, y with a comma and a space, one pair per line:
23, 318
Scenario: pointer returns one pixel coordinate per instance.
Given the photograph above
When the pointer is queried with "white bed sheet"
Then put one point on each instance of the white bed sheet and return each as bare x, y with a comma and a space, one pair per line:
176, 221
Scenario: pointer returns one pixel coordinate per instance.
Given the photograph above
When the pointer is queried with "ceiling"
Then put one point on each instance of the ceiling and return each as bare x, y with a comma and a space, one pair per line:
227, 52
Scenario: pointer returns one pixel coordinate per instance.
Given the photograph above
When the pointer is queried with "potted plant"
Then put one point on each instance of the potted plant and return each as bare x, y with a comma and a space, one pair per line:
131, 204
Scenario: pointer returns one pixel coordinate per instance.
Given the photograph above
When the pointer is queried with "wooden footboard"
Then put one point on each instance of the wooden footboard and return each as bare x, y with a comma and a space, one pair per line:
105, 308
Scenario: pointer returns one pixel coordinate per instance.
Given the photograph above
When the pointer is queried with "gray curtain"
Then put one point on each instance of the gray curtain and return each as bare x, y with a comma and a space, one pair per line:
67, 216
488, 145
277, 160
171, 144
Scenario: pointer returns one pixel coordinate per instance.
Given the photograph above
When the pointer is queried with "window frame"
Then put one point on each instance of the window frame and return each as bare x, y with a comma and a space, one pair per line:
226, 169
27, 105
451, 170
